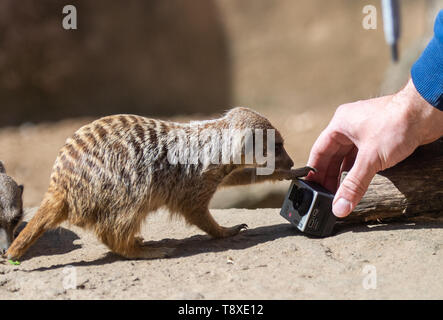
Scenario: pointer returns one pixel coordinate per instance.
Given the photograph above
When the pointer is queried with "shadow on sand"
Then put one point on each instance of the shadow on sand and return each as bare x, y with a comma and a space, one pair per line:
58, 242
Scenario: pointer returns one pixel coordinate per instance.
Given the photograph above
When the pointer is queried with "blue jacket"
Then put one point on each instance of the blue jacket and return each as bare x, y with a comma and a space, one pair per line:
427, 72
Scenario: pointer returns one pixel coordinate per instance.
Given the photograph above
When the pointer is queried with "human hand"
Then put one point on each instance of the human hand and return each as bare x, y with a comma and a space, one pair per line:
368, 136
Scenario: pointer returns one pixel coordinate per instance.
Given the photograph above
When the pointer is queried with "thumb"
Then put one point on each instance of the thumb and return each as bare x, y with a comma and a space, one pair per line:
354, 186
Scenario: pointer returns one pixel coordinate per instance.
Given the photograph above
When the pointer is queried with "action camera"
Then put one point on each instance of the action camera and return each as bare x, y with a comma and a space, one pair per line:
308, 206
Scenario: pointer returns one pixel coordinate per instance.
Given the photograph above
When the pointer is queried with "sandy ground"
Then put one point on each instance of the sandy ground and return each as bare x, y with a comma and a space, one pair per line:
270, 260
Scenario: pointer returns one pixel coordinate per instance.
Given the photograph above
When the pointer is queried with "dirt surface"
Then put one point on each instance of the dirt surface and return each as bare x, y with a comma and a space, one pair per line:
270, 260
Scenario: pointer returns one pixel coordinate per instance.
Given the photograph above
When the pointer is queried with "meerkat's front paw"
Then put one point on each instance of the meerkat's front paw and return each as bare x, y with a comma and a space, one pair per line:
296, 173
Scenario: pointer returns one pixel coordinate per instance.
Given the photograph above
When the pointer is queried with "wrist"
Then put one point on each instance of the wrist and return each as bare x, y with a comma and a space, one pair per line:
424, 122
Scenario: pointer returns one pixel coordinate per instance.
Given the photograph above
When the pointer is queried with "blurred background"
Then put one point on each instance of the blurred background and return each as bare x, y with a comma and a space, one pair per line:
294, 61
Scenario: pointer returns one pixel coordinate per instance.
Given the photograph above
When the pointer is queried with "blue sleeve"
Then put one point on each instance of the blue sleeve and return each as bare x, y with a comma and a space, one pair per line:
427, 71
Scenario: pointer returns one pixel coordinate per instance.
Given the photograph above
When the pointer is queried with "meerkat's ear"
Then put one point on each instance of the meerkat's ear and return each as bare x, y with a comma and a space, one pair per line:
2, 167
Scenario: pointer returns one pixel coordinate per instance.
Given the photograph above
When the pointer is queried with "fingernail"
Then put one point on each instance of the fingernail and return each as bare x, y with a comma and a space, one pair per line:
342, 208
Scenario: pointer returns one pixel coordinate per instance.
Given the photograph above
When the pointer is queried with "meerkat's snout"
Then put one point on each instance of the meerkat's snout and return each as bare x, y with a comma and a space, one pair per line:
10, 218
11, 208
6, 237
282, 158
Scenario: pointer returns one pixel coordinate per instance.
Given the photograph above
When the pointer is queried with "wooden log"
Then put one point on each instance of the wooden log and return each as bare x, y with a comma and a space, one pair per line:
411, 190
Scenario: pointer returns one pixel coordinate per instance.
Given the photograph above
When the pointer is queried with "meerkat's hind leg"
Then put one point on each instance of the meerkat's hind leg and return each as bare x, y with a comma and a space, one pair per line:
149, 252
133, 248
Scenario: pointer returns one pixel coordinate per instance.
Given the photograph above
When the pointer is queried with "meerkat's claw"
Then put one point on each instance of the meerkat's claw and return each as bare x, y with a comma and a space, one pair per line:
305, 170
232, 231
312, 169
293, 174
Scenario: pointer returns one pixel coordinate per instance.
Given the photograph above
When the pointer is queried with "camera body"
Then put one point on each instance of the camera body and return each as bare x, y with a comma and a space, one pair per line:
308, 206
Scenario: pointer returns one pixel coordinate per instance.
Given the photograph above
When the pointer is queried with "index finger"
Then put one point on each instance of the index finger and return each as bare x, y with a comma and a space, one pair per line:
326, 156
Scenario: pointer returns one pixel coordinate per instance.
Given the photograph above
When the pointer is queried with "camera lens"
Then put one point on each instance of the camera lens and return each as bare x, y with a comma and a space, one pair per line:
301, 199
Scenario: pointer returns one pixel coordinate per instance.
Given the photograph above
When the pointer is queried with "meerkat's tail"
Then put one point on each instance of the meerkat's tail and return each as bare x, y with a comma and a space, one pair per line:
52, 212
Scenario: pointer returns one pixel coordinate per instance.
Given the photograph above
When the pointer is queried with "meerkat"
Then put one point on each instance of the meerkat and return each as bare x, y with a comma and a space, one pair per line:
11, 208
116, 170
